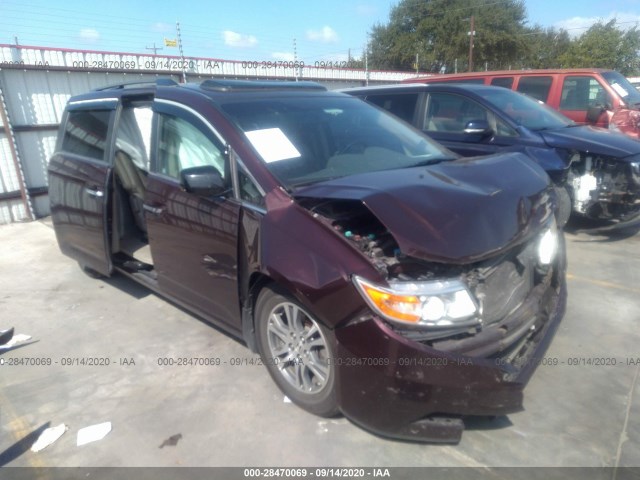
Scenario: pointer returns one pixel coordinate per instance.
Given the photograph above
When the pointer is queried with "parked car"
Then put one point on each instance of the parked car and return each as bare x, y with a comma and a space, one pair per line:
376, 273
593, 96
596, 171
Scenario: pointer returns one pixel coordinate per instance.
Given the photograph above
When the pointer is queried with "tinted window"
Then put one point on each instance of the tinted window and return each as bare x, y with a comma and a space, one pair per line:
580, 93
448, 112
183, 145
536, 87
506, 82
524, 110
85, 133
308, 140
249, 191
402, 105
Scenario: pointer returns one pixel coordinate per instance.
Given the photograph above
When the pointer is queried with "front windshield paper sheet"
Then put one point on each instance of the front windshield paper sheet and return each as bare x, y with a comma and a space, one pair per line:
620, 89
272, 144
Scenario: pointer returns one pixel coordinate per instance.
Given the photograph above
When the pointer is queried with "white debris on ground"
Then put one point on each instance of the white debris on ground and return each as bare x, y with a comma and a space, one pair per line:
93, 433
19, 338
48, 436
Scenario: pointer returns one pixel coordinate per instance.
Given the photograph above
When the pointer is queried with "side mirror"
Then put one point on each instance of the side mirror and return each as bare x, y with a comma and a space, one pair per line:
204, 181
478, 127
593, 113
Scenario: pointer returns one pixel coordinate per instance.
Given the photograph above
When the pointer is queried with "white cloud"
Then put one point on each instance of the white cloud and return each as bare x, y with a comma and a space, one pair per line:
576, 26
284, 56
325, 35
89, 35
234, 39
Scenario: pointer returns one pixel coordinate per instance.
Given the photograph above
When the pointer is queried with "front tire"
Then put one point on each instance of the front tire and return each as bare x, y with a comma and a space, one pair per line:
297, 351
565, 205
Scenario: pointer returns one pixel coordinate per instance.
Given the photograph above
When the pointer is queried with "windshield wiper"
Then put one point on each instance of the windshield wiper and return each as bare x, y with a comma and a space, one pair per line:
431, 161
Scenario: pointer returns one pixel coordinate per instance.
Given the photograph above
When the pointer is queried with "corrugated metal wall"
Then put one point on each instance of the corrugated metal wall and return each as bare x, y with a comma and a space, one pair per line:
35, 101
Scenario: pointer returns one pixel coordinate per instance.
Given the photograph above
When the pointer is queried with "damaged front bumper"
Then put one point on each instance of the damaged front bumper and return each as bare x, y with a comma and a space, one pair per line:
399, 386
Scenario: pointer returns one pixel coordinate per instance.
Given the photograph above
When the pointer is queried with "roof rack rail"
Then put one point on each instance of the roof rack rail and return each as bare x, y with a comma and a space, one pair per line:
160, 82
222, 85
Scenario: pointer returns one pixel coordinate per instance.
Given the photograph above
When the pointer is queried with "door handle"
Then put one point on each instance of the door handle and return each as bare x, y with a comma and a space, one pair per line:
94, 192
154, 210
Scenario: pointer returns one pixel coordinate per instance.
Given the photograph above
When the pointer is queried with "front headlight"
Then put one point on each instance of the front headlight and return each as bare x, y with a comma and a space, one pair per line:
443, 303
548, 244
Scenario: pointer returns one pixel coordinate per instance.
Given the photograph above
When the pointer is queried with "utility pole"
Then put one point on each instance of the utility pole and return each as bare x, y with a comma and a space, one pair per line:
154, 48
472, 33
417, 63
184, 72
366, 63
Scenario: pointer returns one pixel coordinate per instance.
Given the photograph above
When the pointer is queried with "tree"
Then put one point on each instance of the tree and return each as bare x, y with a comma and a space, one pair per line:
605, 46
437, 31
545, 47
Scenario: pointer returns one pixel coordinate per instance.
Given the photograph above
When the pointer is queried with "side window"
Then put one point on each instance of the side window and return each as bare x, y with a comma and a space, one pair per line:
580, 93
85, 133
536, 87
448, 112
402, 105
249, 191
183, 145
506, 82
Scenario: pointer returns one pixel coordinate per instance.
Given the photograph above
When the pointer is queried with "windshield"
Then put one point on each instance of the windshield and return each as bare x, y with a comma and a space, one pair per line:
524, 110
621, 85
309, 139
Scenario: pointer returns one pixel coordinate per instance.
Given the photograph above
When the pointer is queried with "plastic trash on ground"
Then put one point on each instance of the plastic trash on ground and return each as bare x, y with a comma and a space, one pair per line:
48, 436
19, 338
93, 433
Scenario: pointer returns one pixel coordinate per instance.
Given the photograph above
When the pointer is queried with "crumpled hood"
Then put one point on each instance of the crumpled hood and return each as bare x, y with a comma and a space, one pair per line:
592, 139
458, 212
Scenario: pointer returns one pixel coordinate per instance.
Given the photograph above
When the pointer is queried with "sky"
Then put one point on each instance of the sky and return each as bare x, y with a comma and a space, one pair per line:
249, 30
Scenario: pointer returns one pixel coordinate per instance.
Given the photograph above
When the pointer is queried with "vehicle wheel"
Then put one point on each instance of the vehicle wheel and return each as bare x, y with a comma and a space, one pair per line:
565, 205
297, 350
90, 272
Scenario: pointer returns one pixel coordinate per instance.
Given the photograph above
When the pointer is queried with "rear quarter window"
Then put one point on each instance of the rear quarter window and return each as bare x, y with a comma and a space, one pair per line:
506, 82
85, 133
536, 87
402, 105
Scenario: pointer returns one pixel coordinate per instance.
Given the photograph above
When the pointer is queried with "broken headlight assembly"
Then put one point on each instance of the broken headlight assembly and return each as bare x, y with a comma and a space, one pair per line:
438, 303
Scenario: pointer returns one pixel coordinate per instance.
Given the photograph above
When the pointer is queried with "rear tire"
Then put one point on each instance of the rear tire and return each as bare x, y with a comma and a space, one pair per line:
297, 351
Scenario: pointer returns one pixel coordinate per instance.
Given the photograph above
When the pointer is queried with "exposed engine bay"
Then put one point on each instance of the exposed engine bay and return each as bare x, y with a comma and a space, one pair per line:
500, 284
604, 188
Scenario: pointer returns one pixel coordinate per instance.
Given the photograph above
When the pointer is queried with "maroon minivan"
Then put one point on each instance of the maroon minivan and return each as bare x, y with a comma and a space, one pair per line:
377, 274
